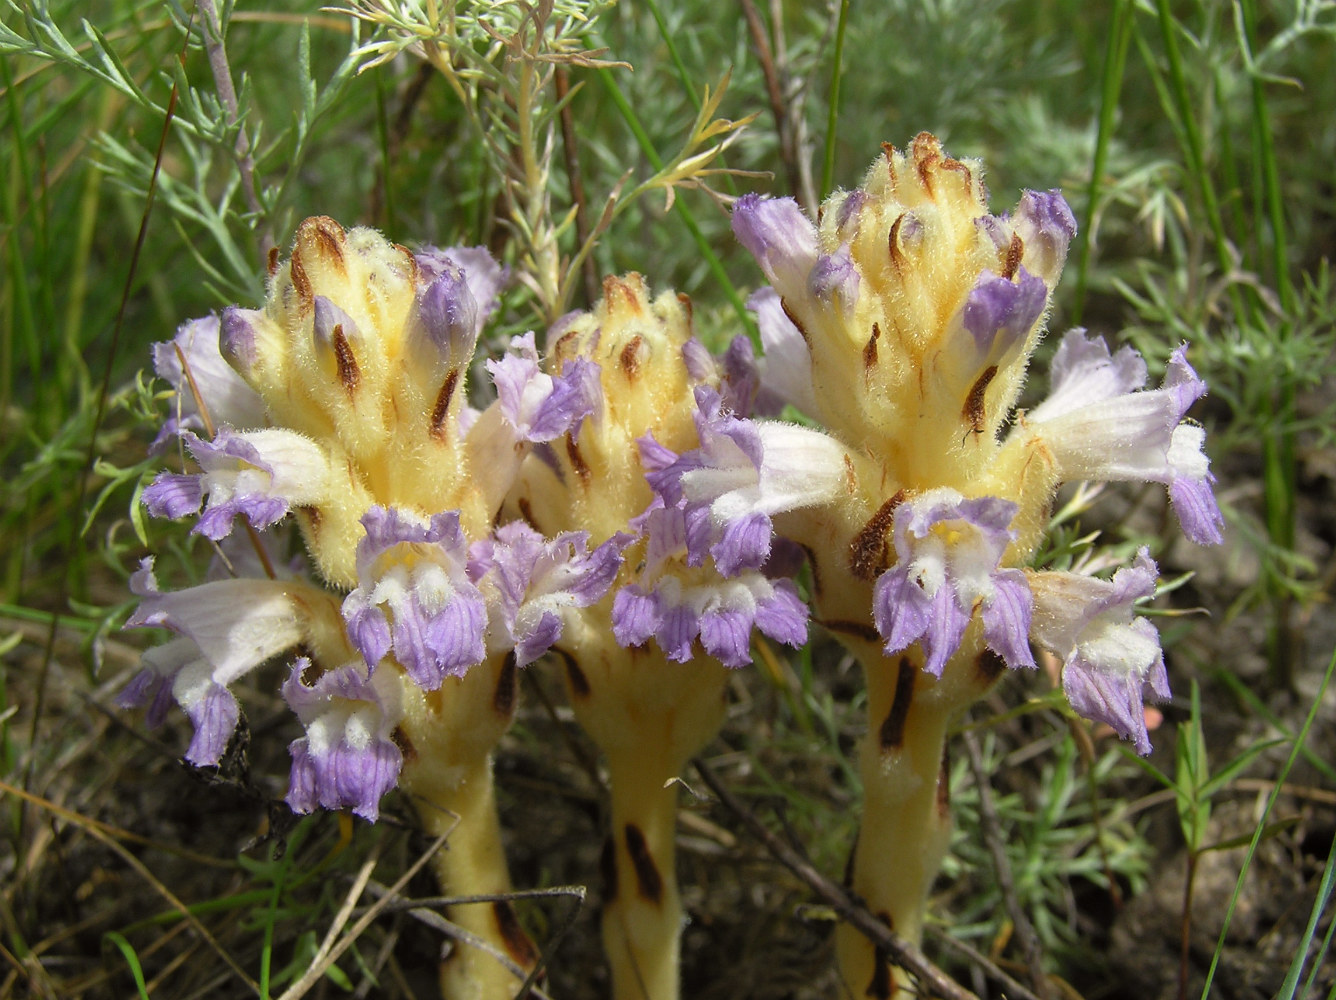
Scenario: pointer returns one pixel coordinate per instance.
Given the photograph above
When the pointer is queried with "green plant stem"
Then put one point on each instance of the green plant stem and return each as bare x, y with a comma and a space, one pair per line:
1115, 63
711, 258
833, 105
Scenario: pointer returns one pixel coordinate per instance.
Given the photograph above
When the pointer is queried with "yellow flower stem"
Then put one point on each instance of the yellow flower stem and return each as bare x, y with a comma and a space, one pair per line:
448, 769
648, 716
906, 825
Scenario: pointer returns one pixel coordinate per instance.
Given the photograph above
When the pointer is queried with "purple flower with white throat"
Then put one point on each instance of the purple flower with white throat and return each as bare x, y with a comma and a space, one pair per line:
786, 368
1110, 656
225, 629
260, 475
1101, 425
348, 758
742, 473
539, 582
415, 598
191, 362
721, 615
948, 549
543, 407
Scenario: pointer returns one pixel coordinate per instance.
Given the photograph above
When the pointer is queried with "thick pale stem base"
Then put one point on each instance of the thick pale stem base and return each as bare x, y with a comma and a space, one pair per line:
448, 770
648, 716
642, 919
906, 826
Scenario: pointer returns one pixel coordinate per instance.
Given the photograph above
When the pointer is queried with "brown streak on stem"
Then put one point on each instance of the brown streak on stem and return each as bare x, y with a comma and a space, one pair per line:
892, 734
990, 666
856, 629
882, 986
648, 880
607, 868
503, 698
271, 262
517, 943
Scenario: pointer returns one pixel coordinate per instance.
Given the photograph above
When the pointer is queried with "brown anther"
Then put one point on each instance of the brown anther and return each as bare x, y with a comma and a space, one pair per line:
892, 733
870, 349
973, 412
349, 374
313, 518
301, 284
503, 698
950, 164
684, 300
328, 241
893, 244
867, 551
518, 945
1015, 250
441, 410
648, 880
794, 319
630, 356
578, 462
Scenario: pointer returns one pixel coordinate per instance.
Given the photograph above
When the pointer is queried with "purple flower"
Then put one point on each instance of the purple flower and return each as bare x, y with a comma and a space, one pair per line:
1099, 427
539, 406
414, 597
781, 238
260, 475
742, 473
539, 582
1110, 655
225, 629
947, 551
1044, 222
834, 278
348, 758
1000, 313
225, 395
786, 369
721, 615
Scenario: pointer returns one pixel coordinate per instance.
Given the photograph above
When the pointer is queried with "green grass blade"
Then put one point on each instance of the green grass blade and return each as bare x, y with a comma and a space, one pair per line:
833, 102
131, 959
1111, 85
1314, 918
1300, 739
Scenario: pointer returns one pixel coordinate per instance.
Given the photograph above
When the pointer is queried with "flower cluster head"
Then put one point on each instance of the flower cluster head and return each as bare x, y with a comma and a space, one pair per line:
906, 319
441, 527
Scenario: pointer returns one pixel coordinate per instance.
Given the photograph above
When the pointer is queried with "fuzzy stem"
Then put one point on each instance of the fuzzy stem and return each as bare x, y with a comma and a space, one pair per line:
450, 735
906, 827
649, 717
642, 918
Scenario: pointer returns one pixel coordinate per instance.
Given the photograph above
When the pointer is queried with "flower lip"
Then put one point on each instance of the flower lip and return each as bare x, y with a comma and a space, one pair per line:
948, 550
